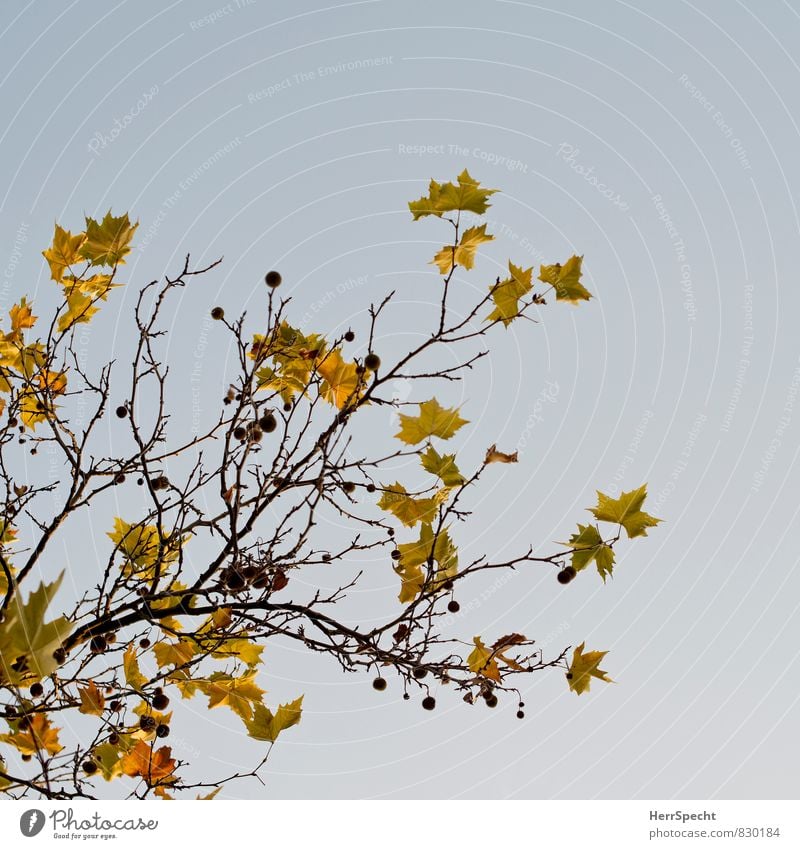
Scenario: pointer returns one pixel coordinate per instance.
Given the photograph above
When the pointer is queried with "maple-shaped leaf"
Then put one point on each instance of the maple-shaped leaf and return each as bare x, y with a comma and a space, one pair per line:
64, 252
108, 241
433, 420
589, 546
52, 382
239, 694
443, 466
130, 665
464, 252
566, 280
626, 511
174, 654
266, 725
467, 195
155, 766
506, 294
408, 510
495, 456
80, 309
92, 700
21, 316
584, 667
341, 380
27, 640
108, 757
33, 736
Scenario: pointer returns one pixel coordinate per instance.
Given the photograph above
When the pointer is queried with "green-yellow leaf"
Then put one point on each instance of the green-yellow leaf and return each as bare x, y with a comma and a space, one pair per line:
433, 420
481, 661
506, 294
589, 546
467, 195
27, 640
443, 466
108, 241
566, 280
264, 725
463, 253
626, 511
584, 667
174, 654
80, 309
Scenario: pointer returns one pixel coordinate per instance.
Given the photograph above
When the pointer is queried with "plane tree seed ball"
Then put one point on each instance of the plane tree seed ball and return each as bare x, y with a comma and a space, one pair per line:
372, 362
218, 313
273, 279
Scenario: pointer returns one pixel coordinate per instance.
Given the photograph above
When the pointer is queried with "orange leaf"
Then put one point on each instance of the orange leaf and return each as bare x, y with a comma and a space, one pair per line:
154, 766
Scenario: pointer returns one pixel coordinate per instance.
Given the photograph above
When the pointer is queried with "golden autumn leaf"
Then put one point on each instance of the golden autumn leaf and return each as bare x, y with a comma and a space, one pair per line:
239, 694
584, 667
443, 466
341, 380
92, 700
21, 316
80, 310
64, 252
464, 252
484, 661
130, 665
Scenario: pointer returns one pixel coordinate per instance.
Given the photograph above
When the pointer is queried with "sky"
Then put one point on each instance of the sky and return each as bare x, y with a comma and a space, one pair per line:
657, 140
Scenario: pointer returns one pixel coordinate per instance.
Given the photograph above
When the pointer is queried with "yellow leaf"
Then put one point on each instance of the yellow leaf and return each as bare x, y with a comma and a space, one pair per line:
565, 279
38, 736
481, 661
584, 667
463, 253
21, 316
64, 252
433, 420
341, 380
108, 241
239, 694
142, 548
209, 796
130, 665
79, 311
92, 700
242, 648
422, 551
408, 510
174, 653
265, 725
